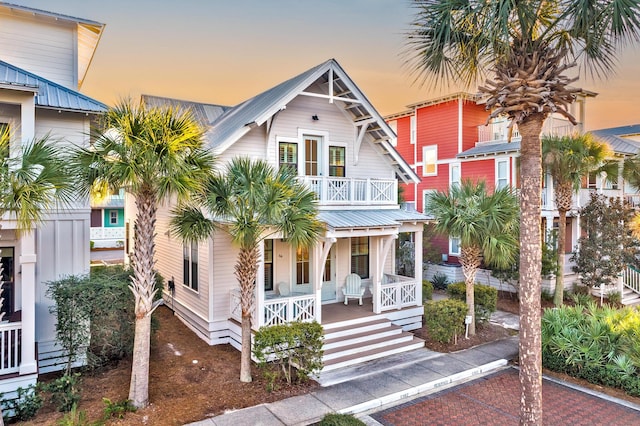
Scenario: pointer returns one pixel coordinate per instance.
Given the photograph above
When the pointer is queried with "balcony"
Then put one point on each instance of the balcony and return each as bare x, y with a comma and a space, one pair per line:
353, 191
498, 131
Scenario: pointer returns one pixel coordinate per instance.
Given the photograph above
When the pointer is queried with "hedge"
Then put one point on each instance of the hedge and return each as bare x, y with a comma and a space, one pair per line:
485, 298
445, 319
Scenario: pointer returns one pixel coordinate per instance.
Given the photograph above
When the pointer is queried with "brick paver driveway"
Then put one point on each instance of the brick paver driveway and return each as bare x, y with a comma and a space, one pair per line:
494, 400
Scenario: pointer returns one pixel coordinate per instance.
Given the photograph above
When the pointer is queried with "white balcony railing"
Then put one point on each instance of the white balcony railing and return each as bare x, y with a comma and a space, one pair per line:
10, 341
398, 292
353, 191
498, 131
112, 233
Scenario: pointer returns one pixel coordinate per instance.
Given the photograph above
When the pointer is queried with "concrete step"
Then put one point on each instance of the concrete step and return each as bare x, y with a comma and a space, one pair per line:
374, 342
361, 337
349, 328
372, 354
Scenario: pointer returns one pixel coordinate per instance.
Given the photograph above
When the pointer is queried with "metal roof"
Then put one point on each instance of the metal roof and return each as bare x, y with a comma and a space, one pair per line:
204, 113
615, 137
358, 219
49, 94
483, 150
54, 15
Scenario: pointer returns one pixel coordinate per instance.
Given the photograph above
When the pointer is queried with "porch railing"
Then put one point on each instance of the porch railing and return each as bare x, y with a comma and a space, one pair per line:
10, 347
498, 131
631, 278
398, 292
105, 233
341, 191
277, 311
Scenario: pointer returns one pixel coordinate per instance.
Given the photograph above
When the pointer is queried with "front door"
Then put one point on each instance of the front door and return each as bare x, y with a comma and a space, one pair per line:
329, 278
312, 155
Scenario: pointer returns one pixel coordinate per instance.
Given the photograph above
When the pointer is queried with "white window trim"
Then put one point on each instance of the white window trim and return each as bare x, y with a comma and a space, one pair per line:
451, 166
413, 129
498, 161
189, 286
451, 252
111, 222
287, 140
323, 163
425, 193
425, 149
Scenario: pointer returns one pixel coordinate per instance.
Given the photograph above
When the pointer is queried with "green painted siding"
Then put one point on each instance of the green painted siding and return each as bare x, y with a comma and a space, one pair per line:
107, 218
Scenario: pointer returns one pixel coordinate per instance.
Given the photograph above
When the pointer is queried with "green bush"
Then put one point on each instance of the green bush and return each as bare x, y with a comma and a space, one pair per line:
445, 319
117, 409
295, 345
599, 345
614, 298
64, 392
427, 290
25, 406
485, 298
439, 281
335, 419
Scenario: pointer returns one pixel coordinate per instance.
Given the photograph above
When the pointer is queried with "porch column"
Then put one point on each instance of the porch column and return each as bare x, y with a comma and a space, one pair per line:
317, 266
377, 275
259, 308
27, 265
417, 266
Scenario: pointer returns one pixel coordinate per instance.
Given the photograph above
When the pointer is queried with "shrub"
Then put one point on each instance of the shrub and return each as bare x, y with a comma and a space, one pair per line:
75, 417
25, 406
427, 290
439, 281
581, 299
117, 409
614, 297
445, 319
335, 419
295, 345
485, 298
64, 391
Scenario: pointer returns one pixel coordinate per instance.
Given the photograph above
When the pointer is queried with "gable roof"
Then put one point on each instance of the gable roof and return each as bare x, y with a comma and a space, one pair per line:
341, 90
206, 114
48, 94
617, 138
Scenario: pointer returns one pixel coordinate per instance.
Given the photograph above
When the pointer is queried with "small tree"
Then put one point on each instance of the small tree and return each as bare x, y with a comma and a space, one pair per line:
608, 245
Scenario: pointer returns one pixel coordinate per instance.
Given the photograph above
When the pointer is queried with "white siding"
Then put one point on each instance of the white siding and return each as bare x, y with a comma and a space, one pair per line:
251, 145
42, 46
225, 256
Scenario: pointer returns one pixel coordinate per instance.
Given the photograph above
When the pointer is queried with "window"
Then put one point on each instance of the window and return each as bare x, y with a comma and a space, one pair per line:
454, 174
429, 160
454, 246
337, 156
311, 155
113, 217
414, 133
360, 256
611, 182
7, 256
426, 193
592, 181
268, 265
302, 265
190, 265
288, 155
4, 133
502, 174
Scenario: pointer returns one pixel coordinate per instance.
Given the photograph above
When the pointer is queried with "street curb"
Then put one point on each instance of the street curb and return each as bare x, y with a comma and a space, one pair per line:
435, 385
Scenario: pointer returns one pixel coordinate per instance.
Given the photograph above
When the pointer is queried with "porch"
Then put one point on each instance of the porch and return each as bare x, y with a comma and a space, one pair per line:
395, 293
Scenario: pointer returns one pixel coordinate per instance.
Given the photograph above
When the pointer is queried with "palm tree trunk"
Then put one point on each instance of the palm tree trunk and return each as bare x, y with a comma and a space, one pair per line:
470, 258
530, 271
562, 238
142, 286
246, 272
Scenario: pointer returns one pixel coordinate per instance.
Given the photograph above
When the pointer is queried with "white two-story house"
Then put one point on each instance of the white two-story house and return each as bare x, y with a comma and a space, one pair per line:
44, 58
322, 125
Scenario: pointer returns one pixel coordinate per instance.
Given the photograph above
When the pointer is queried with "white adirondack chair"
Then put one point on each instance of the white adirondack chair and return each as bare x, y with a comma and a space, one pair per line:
353, 288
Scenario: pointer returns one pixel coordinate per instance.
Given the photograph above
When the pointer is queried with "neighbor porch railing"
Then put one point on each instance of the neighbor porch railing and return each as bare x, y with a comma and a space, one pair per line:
102, 233
631, 278
498, 131
10, 347
280, 310
398, 292
341, 191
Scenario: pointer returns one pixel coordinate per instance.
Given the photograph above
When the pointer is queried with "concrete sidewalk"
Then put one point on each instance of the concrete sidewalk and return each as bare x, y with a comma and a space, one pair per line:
376, 384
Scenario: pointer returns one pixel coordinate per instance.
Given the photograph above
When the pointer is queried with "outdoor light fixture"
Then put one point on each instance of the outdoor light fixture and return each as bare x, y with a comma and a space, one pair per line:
314, 117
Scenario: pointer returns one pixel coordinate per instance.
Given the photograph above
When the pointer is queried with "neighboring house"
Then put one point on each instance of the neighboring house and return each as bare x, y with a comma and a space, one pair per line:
44, 57
447, 139
107, 221
322, 125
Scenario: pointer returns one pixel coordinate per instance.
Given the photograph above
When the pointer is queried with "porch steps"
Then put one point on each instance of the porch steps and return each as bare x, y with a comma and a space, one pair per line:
363, 339
630, 297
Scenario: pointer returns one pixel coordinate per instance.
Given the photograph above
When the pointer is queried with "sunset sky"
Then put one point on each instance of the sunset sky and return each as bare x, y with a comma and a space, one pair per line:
225, 51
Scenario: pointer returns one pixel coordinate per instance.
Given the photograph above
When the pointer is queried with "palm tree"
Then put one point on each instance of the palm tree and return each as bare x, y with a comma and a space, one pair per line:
31, 183
251, 201
568, 159
487, 225
528, 47
154, 154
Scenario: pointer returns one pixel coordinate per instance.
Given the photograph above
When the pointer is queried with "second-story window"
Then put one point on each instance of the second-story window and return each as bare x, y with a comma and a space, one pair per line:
113, 217
592, 181
337, 163
502, 174
430, 160
288, 155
